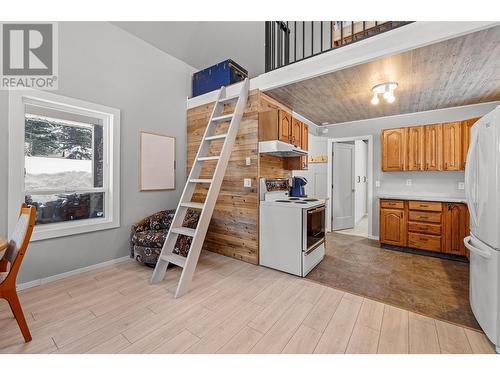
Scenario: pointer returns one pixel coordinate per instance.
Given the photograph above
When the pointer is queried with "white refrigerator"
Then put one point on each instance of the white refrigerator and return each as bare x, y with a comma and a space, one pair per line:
482, 191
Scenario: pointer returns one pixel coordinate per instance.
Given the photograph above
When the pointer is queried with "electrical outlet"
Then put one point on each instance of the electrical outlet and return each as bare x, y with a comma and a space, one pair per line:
247, 182
461, 185
377, 183
248, 161
408, 182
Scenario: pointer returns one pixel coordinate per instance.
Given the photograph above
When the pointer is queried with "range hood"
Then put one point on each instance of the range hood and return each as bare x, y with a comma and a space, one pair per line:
280, 149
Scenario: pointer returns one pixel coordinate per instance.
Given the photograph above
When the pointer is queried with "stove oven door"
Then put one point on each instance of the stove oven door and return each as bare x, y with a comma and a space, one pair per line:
314, 228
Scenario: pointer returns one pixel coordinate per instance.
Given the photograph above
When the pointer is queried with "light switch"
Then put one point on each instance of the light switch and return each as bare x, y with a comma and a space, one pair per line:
461, 186
247, 182
377, 183
408, 182
248, 161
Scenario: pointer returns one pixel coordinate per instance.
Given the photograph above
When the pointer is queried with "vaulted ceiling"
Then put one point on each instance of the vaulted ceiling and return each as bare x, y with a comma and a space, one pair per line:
455, 72
203, 44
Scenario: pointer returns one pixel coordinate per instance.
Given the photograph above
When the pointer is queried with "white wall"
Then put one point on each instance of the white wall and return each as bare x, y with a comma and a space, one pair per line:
435, 183
360, 173
316, 173
101, 63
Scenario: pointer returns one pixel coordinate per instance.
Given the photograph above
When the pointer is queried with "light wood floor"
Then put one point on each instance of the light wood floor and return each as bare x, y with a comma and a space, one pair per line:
233, 307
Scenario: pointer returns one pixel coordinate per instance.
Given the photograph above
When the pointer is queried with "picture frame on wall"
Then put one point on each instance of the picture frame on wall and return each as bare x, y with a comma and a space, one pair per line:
156, 161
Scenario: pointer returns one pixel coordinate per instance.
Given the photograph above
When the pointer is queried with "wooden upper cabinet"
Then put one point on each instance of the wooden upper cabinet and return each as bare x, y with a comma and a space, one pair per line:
466, 126
275, 124
452, 146
393, 226
455, 228
394, 149
296, 133
305, 137
284, 126
299, 162
433, 147
415, 148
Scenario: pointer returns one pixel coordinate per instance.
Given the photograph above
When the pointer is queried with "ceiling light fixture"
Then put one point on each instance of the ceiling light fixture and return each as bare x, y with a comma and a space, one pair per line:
387, 91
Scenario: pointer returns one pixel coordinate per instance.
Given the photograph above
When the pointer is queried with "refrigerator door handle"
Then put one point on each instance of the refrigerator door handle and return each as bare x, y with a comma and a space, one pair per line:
484, 252
469, 165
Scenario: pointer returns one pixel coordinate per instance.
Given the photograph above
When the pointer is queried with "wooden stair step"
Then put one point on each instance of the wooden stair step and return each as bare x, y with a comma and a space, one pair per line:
184, 231
215, 137
201, 180
222, 118
206, 158
196, 205
176, 259
229, 99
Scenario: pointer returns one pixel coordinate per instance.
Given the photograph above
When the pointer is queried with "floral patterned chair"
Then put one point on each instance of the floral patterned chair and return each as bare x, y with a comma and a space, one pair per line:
148, 235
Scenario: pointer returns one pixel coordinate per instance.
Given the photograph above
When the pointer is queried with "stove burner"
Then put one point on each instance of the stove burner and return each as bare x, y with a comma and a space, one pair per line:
300, 202
310, 200
282, 201
294, 199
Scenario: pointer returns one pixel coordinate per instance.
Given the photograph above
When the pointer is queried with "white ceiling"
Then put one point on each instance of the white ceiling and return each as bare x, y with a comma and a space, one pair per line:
203, 44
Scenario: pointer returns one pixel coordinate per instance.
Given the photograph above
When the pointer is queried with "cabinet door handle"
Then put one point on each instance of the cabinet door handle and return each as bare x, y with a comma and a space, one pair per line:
422, 228
423, 217
424, 205
445, 165
423, 239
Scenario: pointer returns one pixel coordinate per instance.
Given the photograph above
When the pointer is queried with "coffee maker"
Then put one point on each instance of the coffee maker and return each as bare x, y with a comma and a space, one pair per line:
297, 189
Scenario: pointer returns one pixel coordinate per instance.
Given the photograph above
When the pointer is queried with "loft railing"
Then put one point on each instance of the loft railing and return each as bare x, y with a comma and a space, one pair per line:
292, 41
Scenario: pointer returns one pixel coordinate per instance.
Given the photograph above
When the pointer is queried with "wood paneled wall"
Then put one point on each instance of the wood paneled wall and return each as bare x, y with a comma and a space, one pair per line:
234, 228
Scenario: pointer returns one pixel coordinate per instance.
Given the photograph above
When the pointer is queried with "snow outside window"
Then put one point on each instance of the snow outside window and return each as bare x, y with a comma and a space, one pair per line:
64, 162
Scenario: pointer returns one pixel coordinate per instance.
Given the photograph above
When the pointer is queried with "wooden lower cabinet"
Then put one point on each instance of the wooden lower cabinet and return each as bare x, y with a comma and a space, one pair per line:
456, 227
431, 226
393, 226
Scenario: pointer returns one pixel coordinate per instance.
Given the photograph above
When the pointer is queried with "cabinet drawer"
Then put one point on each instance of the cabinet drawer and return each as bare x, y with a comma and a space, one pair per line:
391, 204
424, 241
424, 228
428, 217
425, 206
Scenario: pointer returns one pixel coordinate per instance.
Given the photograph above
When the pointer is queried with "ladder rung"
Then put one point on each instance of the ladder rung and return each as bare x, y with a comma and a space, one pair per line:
214, 137
193, 205
176, 259
229, 99
201, 181
184, 231
205, 158
222, 118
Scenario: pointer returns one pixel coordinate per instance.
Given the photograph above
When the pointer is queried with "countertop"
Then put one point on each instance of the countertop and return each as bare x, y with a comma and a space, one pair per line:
431, 198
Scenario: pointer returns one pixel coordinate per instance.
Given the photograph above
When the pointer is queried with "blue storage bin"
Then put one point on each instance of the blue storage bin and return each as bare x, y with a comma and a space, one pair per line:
222, 74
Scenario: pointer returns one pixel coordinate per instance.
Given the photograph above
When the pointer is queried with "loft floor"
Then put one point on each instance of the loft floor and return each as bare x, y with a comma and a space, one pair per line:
430, 286
233, 307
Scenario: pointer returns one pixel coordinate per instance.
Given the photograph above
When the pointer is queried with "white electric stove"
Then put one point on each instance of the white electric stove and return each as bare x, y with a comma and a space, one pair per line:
291, 229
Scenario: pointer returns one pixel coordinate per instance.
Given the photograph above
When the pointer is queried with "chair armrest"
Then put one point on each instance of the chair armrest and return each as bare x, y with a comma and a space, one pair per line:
141, 226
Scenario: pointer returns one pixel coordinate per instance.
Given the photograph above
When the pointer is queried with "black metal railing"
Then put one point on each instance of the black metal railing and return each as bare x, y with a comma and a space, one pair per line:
291, 41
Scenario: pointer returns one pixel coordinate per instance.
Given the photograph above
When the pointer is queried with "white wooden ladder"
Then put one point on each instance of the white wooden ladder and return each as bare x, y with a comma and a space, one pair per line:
167, 254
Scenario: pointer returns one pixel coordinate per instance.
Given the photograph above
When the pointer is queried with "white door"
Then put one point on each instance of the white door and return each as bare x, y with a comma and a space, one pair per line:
343, 186
482, 173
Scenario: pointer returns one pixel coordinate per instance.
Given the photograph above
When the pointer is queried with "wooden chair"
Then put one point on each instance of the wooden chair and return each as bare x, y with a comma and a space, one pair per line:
13, 257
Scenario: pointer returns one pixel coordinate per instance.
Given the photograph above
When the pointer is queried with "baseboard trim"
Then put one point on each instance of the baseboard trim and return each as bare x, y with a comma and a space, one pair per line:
45, 280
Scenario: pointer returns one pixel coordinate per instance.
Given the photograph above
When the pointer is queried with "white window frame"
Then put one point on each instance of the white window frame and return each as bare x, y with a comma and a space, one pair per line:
111, 162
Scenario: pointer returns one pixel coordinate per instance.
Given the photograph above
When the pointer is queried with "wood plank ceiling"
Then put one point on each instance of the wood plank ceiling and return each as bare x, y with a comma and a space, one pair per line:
455, 72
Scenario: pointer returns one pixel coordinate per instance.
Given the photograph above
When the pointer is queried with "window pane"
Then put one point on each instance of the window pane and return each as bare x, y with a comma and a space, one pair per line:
62, 154
56, 208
